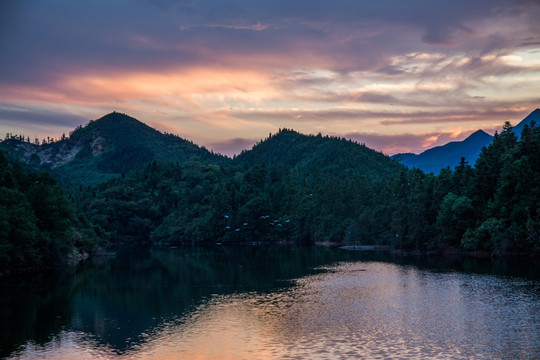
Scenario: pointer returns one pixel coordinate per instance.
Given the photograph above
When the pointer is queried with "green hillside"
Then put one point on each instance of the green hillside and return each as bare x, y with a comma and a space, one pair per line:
122, 143
107, 147
312, 155
289, 187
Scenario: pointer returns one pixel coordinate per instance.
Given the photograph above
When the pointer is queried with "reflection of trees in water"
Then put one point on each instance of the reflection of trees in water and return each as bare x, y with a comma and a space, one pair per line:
120, 301
35, 308
137, 293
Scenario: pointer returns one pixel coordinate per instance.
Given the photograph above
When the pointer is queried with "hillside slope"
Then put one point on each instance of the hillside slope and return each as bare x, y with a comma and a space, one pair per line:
309, 154
107, 147
534, 116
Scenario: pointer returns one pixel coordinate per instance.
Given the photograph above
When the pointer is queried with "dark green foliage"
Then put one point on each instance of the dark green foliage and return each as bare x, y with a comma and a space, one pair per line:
492, 207
289, 187
195, 202
106, 148
456, 215
38, 227
312, 155
118, 143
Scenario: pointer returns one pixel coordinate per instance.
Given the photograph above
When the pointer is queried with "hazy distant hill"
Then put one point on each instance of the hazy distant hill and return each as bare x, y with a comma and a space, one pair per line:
534, 116
107, 147
327, 155
437, 158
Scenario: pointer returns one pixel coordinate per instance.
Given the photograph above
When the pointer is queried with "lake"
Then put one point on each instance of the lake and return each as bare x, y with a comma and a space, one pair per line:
274, 302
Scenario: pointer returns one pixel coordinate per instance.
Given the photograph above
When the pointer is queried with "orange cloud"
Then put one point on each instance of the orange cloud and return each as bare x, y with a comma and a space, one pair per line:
127, 86
430, 141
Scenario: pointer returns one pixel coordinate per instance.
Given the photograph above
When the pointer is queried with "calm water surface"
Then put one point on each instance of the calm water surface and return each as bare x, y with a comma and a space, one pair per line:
261, 302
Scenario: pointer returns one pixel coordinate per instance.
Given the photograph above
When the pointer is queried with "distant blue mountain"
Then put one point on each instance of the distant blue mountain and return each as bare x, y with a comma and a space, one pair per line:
534, 116
437, 158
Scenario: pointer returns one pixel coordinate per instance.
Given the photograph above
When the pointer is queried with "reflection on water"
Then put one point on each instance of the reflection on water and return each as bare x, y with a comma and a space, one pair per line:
274, 302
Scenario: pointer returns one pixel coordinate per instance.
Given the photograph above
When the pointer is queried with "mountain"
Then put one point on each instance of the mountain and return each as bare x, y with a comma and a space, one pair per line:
118, 143
534, 116
437, 158
309, 154
107, 147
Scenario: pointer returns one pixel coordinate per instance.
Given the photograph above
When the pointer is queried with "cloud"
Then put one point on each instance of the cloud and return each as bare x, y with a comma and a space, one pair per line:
244, 67
53, 38
13, 114
405, 142
387, 117
36, 121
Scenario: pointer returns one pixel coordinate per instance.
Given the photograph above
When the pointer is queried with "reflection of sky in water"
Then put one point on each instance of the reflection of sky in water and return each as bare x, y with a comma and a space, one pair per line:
353, 309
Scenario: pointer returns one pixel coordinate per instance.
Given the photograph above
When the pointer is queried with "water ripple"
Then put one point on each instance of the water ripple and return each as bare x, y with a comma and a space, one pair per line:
351, 310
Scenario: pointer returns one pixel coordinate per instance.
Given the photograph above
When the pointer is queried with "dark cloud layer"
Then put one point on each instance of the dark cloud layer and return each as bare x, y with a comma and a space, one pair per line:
44, 39
16, 115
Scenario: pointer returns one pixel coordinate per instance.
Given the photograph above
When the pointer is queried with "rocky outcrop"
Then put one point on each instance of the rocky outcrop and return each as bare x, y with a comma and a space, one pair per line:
54, 154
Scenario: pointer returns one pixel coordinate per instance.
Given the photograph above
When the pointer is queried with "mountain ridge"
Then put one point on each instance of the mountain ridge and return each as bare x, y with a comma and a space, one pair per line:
310, 154
107, 147
117, 143
435, 159
430, 161
534, 116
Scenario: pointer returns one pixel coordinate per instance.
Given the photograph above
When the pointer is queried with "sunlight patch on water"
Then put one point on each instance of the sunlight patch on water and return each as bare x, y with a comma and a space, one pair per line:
359, 309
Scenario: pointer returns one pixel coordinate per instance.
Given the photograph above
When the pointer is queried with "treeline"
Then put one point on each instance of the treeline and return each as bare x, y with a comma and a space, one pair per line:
38, 225
314, 155
491, 207
22, 138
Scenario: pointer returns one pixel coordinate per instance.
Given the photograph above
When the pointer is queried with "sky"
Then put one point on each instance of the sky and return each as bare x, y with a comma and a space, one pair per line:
397, 75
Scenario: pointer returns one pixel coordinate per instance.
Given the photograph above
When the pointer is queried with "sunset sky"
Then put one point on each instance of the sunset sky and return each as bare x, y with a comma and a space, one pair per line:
396, 75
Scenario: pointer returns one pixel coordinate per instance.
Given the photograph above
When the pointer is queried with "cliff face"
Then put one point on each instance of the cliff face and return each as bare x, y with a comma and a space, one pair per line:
54, 154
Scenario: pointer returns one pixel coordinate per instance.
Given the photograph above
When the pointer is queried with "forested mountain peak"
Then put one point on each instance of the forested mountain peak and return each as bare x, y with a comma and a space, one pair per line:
312, 154
114, 126
106, 147
303, 188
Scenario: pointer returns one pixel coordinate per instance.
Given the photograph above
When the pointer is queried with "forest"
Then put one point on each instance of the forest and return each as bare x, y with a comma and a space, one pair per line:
491, 207
39, 227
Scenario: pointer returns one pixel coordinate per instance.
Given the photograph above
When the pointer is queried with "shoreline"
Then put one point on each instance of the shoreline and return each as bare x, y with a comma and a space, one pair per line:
75, 260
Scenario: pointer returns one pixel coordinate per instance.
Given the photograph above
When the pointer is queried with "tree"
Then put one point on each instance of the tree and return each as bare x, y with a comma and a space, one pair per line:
456, 215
